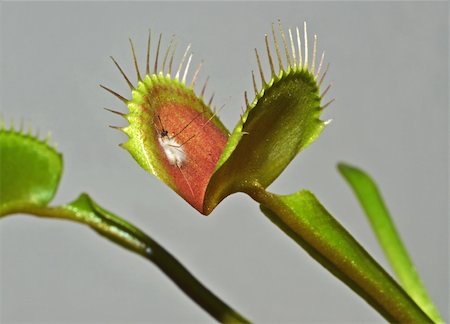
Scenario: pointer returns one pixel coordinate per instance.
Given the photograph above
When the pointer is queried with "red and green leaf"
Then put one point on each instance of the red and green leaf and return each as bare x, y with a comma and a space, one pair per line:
162, 102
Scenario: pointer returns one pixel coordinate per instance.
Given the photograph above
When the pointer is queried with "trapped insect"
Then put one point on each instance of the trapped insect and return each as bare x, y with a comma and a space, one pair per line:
172, 149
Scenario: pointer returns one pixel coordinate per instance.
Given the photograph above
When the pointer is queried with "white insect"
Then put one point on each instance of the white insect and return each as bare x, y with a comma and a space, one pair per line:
172, 149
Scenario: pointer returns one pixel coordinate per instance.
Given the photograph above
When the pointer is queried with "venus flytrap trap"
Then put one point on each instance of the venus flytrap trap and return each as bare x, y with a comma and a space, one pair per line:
282, 119
172, 132
37, 182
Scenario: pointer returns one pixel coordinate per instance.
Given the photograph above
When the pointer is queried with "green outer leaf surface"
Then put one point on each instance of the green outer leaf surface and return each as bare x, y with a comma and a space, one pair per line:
376, 211
30, 170
304, 219
282, 120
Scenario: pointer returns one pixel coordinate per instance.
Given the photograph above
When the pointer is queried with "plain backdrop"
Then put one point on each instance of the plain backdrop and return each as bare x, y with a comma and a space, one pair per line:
389, 69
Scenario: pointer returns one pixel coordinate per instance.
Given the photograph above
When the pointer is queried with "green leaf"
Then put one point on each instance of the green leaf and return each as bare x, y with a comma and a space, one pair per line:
382, 224
281, 121
30, 169
304, 219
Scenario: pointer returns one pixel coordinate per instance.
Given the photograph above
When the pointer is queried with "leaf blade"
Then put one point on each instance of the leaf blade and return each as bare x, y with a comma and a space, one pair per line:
372, 203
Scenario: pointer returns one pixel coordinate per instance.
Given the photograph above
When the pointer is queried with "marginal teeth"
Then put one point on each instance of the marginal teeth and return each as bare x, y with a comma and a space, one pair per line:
186, 69
320, 65
327, 104
138, 74
147, 67
299, 45
327, 122
171, 58
204, 87
283, 38
177, 75
211, 99
123, 99
167, 52
294, 56
155, 71
194, 78
259, 67
272, 70
116, 127
255, 88
305, 38
313, 65
277, 49
297, 57
323, 75
123, 73
325, 91
115, 112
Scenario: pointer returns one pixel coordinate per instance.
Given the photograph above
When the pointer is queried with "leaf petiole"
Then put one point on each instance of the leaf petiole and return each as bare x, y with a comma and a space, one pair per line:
306, 221
84, 210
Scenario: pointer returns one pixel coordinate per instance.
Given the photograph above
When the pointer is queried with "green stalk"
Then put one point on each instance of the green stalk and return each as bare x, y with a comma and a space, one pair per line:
373, 205
304, 219
85, 211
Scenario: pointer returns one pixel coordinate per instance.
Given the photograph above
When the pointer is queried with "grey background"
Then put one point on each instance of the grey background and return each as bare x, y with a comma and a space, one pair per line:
389, 72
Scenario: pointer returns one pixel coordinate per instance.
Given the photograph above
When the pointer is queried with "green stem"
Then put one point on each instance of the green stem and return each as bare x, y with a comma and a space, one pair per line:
306, 221
119, 231
372, 203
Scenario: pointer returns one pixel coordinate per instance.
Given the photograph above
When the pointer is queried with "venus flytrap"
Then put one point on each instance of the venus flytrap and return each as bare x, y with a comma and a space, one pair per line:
167, 119
283, 119
176, 135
